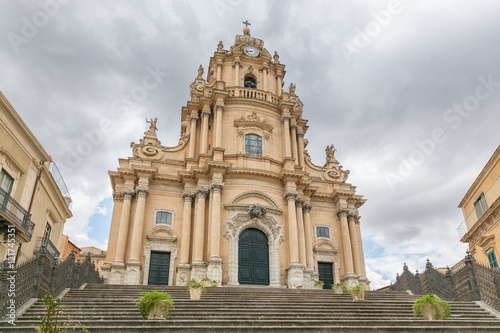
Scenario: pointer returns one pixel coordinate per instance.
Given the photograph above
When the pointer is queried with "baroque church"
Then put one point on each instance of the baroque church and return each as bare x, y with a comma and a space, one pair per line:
238, 200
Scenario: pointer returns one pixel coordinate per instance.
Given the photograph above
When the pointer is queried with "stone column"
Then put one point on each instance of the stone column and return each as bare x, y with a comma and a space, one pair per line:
197, 265
192, 136
294, 142
356, 254
265, 72
300, 137
309, 236
286, 134
279, 79
218, 127
346, 244
117, 273
360, 242
237, 72
136, 241
299, 203
219, 70
121, 246
295, 271
205, 115
132, 276
214, 271
184, 268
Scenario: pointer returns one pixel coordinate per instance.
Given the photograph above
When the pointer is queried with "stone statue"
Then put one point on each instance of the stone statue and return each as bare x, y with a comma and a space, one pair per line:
330, 152
220, 46
292, 89
276, 58
152, 124
200, 72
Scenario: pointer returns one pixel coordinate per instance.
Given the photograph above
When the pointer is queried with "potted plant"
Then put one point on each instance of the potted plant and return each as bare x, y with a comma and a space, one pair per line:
208, 283
339, 288
357, 292
318, 284
155, 305
195, 289
430, 307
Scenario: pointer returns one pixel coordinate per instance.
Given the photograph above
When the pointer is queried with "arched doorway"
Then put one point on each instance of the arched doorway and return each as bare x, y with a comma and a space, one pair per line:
253, 258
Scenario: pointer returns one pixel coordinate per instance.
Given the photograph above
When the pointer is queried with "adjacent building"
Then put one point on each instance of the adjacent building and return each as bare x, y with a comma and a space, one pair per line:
34, 202
238, 199
481, 209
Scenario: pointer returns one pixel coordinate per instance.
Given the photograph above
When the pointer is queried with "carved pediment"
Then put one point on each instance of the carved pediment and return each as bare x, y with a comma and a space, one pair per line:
162, 233
325, 247
253, 120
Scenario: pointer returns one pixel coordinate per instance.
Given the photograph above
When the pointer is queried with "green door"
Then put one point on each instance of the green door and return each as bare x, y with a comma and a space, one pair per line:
253, 258
159, 266
325, 270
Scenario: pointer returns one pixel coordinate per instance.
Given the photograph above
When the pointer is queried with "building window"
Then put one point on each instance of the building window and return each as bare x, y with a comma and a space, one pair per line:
480, 205
253, 145
249, 82
46, 234
163, 218
492, 258
6, 181
323, 232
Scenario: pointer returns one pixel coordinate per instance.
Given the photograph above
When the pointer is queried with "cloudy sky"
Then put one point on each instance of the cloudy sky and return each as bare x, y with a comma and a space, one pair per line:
409, 93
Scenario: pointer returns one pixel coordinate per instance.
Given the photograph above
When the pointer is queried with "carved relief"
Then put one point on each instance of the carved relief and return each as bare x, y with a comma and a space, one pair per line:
253, 120
256, 211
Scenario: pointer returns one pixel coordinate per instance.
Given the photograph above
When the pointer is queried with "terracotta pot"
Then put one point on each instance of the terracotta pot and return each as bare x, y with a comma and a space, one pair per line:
158, 311
195, 293
429, 312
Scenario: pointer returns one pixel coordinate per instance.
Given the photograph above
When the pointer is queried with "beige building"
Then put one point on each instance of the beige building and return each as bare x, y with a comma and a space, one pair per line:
238, 199
67, 247
481, 209
97, 256
34, 203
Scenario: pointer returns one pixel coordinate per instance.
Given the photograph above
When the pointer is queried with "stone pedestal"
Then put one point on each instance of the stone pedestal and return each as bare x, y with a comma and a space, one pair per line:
310, 276
294, 275
133, 272
350, 280
214, 270
183, 274
117, 273
198, 270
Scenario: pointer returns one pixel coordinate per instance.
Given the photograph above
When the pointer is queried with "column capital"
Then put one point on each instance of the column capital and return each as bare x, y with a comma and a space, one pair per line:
142, 191
219, 107
217, 187
201, 193
343, 213
117, 196
128, 194
290, 195
299, 202
306, 208
352, 217
206, 113
188, 196
294, 127
286, 117
194, 118
300, 134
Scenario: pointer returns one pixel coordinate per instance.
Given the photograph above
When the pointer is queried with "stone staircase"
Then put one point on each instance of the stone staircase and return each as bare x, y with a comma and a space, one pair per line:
111, 308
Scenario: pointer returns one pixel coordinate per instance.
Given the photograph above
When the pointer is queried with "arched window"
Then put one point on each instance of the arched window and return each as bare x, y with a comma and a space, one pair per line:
250, 82
253, 145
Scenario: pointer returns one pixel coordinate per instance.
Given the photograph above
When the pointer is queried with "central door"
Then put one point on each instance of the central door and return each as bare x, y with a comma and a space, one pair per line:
253, 258
325, 270
159, 266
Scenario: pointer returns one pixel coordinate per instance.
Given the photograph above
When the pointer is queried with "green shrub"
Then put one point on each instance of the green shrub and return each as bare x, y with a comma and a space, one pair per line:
442, 308
151, 298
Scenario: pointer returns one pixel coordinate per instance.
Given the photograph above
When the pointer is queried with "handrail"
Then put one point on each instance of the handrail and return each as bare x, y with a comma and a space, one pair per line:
16, 213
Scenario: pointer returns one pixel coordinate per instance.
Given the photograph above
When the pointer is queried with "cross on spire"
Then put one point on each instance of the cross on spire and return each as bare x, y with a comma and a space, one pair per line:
246, 23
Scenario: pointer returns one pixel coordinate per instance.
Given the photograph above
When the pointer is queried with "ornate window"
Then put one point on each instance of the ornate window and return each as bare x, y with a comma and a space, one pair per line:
249, 82
322, 232
492, 258
163, 217
253, 145
6, 181
480, 205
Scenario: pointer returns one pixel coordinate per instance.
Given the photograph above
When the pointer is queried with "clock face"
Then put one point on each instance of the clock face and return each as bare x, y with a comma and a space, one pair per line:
251, 51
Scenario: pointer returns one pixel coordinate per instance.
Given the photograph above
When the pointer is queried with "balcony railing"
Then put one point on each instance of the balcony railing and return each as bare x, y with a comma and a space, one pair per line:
254, 94
13, 213
44, 245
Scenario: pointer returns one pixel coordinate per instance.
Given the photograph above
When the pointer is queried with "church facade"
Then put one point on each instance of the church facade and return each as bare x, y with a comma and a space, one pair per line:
238, 200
